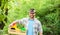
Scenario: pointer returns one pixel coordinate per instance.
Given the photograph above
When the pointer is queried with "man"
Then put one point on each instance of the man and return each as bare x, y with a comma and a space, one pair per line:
32, 25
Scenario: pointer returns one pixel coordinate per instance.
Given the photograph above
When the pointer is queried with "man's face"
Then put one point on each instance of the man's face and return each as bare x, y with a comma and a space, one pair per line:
31, 14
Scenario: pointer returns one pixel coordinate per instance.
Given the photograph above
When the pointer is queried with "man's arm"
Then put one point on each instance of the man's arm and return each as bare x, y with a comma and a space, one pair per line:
15, 22
40, 28
18, 21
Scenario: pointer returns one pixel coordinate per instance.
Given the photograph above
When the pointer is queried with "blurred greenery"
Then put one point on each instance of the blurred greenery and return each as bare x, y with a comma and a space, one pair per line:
47, 11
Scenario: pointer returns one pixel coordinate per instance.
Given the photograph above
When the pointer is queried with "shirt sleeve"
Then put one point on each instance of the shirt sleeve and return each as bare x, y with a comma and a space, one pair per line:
17, 21
40, 27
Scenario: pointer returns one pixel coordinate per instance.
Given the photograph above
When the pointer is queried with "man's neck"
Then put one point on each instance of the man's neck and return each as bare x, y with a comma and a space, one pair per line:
32, 18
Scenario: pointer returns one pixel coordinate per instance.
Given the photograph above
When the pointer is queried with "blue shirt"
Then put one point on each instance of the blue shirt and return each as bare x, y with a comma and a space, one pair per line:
30, 27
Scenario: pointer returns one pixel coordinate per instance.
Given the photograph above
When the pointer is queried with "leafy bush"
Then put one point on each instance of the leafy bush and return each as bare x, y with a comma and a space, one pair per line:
47, 11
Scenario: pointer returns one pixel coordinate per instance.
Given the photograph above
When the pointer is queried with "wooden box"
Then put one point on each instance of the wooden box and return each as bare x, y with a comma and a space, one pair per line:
10, 31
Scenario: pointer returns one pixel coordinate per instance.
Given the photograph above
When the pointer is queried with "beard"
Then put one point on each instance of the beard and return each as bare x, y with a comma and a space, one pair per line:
31, 16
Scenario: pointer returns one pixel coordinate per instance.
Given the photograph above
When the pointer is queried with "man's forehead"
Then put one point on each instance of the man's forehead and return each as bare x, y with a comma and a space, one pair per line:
31, 12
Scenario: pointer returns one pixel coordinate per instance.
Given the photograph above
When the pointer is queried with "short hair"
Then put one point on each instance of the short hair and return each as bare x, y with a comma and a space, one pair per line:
32, 10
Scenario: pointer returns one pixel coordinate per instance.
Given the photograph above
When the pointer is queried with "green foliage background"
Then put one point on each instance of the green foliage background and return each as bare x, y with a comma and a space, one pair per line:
47, 11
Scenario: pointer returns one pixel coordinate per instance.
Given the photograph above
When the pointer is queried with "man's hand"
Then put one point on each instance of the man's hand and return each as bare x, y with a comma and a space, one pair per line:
13, 23
41, 33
